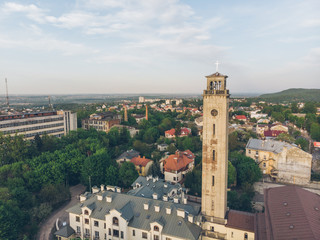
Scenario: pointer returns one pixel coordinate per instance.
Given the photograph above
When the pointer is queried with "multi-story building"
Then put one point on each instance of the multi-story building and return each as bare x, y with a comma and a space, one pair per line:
101, 121
282, 161
56, 123
142, 164
177, 165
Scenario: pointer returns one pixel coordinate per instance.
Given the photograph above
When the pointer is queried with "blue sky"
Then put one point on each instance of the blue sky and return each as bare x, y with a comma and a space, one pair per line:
158, 46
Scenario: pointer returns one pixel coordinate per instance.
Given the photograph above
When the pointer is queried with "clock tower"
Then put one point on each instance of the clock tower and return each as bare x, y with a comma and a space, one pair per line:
215, 150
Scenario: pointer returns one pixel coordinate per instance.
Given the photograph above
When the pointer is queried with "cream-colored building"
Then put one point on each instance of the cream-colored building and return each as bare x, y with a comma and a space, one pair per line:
282, 161
101, 121
55, 123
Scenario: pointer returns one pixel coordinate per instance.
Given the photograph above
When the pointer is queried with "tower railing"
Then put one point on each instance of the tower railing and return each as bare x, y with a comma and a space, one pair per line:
216, 92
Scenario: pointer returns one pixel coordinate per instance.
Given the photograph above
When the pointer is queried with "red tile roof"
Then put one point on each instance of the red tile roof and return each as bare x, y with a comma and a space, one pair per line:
292, 213
178, 161
184, 132
273, 133
171, 132
316, 144
241, 220
241, 117
140, 161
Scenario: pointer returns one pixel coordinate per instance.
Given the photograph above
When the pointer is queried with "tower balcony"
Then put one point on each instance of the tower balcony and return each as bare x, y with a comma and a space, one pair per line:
216, 92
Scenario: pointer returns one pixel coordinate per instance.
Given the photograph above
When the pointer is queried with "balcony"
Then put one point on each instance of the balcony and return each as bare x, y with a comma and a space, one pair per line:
216, 92
214, 235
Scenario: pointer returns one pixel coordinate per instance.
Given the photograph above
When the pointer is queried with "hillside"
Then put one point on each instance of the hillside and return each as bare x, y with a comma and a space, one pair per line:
293, 95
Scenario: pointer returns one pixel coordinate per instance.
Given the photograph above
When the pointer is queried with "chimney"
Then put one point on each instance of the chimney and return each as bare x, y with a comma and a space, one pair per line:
176, 199
100, 197
118, 189
109, 199
155, 196
168, 210
95, 189
190, 218
125, 114
185, 200
165, 198
146, 206
147, 117
157, 208
83, 197
102, 188
181, 213
165, 185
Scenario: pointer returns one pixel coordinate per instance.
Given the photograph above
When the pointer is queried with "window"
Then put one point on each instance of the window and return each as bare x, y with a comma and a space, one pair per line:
96, 234
156, 228
156, 237
122, 234
212, 228
249, 151
232, 234
246, 236
109, 231
78, 230
96, 223
213, 155
264, 157
86, 221
86, 212
77, 219
144, 235
257, 152
264, 164
212, 180
214, 129
115, 233
174, 178
115, 221
105, 236
133, 232
87, 232
105, 225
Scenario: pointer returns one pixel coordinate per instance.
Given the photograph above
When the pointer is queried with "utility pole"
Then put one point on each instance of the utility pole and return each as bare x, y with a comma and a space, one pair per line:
7, 96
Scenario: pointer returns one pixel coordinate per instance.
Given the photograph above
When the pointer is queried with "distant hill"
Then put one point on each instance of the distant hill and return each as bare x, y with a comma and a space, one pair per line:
293, 95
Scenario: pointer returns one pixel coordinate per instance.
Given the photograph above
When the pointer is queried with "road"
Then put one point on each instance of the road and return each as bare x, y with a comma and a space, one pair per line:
46, 227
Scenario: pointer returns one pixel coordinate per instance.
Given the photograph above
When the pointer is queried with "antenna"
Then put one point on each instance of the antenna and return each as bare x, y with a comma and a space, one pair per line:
7, 97
49, 102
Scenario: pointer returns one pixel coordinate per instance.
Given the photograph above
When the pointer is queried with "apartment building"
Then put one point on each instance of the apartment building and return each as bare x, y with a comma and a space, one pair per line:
101, 121
56, 123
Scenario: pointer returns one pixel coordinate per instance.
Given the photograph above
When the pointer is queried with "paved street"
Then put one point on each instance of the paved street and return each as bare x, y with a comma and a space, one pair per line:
60, 213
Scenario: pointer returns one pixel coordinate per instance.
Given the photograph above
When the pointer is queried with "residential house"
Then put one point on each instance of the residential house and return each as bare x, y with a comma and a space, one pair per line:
177, 165
282, 161
162, 147
183, 133
127, 156
240, 118
142, 164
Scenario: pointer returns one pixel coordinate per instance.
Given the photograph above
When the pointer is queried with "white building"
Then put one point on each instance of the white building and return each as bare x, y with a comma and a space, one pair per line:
56, 123
141, 99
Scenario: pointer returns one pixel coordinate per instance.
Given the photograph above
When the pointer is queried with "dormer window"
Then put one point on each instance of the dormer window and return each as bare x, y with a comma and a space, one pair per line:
86, 212
156, 228
115, 221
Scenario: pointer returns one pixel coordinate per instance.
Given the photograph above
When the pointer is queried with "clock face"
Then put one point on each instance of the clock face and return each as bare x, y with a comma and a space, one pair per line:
214, 112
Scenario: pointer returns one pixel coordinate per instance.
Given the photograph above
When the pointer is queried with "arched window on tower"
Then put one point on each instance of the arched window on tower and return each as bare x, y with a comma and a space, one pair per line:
211, 85
245, 236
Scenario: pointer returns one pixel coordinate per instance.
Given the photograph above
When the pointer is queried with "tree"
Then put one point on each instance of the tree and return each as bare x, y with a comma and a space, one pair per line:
154, 170
172, 148
303, 143
285, 137
11, 221
178, 129
128, 174
294, 107
193, 180
112, 175
248, 170
315, 131
232, 175
309, 107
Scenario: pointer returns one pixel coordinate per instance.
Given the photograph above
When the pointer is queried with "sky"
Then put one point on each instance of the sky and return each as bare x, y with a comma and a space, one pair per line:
158, 46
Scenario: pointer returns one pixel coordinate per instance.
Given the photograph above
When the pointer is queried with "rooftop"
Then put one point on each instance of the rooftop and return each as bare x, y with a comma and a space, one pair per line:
267, 145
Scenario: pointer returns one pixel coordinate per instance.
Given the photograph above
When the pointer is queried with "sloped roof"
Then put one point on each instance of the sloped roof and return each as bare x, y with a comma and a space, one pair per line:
129, 154
292, 213
65, 231
241, 220
267, 145
173, 225
217, 74
272, 133
143, 161
241, 117
178, 161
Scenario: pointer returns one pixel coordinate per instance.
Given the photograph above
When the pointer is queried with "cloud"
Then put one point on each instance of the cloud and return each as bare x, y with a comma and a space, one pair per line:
311, 23
32, 11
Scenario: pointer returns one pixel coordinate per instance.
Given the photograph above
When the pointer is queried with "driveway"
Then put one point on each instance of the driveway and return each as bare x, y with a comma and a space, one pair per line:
46, 227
